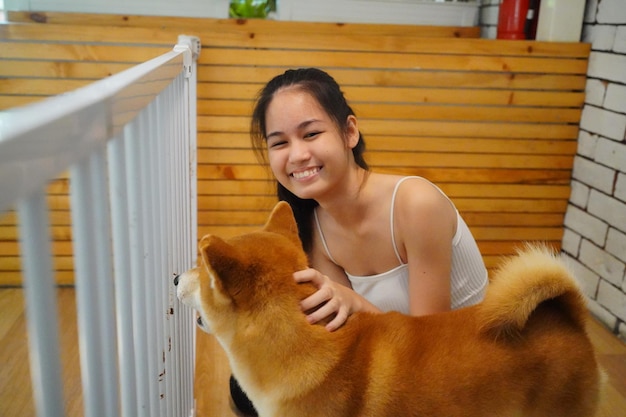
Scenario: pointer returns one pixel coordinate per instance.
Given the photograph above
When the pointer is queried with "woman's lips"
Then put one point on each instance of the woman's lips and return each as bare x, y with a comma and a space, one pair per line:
305, 173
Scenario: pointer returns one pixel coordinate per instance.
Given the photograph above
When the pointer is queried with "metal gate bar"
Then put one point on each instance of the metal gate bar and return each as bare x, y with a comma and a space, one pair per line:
129, 142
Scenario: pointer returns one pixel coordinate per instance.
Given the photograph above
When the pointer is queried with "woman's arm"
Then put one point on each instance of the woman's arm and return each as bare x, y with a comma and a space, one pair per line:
425, 226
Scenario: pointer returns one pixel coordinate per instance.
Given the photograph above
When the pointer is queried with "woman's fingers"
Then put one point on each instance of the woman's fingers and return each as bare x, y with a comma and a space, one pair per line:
322, 295
315, 299
338, 321
327, 302
323, 311
308, 275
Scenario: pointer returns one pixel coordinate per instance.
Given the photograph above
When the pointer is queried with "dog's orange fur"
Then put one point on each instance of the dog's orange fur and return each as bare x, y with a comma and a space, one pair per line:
522, 352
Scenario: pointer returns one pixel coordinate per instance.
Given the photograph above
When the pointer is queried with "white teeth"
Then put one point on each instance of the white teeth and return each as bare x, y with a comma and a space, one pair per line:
303, 174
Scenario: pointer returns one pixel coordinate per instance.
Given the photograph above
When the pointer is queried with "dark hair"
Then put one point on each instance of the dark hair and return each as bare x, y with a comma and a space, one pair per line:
330, 97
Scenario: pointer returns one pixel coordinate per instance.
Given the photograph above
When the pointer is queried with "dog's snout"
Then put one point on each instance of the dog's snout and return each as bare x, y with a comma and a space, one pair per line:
176, 279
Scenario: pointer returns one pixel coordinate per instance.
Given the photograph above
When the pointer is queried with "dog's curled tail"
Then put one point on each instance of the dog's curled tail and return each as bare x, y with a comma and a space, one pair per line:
523, 282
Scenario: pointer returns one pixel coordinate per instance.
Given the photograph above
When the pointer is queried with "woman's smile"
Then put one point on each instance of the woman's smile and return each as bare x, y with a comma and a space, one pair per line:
305, 174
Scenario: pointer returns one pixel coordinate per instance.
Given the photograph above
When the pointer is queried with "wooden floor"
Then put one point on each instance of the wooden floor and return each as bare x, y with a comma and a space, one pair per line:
212, 371
16, 398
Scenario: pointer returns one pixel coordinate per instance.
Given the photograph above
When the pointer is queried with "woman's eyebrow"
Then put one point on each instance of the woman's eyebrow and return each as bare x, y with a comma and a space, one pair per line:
276, 133
301, 126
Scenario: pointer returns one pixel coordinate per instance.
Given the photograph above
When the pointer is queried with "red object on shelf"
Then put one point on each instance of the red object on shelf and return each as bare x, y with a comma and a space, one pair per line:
512, 19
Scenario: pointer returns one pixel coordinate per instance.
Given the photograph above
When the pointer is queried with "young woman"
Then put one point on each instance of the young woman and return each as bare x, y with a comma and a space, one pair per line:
375, 242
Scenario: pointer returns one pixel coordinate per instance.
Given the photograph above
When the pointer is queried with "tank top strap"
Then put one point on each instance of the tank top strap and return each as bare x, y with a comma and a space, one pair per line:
391, 219
322, 238
393, 203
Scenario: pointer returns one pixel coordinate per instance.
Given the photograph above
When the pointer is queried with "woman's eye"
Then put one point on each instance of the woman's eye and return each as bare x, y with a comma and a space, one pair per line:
311, 135
276, 144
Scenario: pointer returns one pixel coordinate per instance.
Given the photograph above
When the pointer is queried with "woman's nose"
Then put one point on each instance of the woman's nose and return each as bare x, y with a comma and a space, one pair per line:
299, 151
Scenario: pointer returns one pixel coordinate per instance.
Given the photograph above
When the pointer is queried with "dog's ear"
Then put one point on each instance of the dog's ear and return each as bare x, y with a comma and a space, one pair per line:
282, 221
220, 259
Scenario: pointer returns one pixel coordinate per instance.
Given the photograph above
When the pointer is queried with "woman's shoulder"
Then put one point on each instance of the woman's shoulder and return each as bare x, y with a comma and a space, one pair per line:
417, 196
419, 189
410, 194
402, 181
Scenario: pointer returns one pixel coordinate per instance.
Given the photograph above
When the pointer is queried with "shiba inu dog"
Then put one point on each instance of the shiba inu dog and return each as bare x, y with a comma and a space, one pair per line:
523, 351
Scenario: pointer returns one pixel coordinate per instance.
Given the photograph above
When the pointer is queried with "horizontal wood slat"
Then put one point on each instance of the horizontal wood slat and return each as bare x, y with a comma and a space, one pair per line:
492, 205
60, 69
548, 175
424, 144
406, 78
494, 123
387, 60
94, 52
467, 112
405, 159
409, 95
11, 248
418, 128
256, 187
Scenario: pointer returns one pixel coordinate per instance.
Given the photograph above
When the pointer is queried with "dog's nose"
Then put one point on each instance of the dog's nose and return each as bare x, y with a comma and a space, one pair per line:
176, 279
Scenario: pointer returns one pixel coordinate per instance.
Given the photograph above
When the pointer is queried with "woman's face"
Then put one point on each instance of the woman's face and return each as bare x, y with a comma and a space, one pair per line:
307, 153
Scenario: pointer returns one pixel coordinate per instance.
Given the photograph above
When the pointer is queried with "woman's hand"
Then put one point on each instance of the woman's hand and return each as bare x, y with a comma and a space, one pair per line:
331, 298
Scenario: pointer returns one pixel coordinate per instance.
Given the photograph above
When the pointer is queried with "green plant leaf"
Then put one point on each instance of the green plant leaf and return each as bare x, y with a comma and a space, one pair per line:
251, 8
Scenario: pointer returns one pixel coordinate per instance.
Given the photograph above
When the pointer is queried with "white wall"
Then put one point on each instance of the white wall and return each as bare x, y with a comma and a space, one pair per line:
489, 10
594, 236
410, 12
191, 8
418, 12
595, 222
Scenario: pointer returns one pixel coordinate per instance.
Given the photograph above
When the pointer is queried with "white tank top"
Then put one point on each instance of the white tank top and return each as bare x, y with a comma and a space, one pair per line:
389, 291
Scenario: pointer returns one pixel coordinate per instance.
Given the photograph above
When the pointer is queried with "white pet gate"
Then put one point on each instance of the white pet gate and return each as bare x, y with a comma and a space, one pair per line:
129, 143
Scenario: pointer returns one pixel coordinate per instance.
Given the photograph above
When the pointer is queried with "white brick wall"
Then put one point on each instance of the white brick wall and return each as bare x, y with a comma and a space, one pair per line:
620, 40
611, 153
587, 279
579, 194
595, 92
616, 96
571, 242
607, 209
594, 238
489, 18
587, 144
604, 122
591, 10
620, 187
588, 226
616, 244
611, 11
613, 299
593, 174
607, 65
599, 36
603, 263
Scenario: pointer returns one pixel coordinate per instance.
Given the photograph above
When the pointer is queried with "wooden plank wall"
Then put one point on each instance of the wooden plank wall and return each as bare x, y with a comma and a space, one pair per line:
494, 123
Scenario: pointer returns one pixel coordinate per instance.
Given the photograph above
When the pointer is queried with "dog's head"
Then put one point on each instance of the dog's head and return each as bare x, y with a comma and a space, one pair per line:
246, 274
